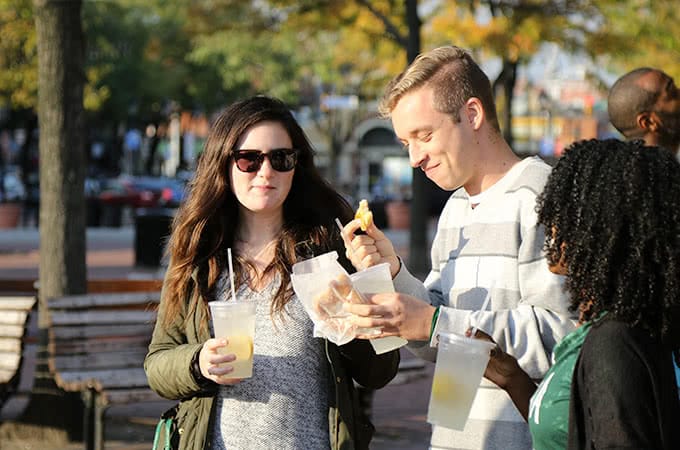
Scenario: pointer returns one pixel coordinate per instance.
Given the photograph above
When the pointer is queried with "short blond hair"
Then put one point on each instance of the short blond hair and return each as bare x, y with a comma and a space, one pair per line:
455, 78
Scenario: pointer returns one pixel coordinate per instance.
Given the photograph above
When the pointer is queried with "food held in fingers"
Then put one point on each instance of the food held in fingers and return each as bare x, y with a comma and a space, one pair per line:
364, 215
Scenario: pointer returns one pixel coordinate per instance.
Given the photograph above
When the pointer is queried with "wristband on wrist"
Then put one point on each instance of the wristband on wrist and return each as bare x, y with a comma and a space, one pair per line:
435, 316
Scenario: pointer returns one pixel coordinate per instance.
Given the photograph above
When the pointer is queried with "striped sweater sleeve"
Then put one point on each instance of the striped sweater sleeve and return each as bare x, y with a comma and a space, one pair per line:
496, 247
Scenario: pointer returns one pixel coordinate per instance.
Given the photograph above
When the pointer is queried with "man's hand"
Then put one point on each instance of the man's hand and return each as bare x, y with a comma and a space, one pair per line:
370, 249
396, 314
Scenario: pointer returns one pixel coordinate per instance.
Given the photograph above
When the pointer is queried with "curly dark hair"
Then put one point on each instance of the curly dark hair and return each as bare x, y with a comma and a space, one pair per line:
612, 215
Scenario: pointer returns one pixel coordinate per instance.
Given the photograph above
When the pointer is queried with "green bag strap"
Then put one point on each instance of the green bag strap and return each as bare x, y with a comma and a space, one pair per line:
163, 423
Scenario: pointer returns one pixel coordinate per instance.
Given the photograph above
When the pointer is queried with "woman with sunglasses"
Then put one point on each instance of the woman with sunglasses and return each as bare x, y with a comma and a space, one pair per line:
256, 190
614, 211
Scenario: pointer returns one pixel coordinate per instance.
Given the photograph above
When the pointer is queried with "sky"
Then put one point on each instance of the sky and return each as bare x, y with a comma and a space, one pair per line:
552, 63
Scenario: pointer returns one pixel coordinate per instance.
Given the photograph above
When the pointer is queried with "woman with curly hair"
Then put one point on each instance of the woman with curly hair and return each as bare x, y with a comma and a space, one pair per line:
612, 211
256, 190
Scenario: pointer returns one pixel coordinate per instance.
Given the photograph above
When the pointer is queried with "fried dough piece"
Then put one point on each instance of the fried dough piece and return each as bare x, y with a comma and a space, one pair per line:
328, 304
364, 215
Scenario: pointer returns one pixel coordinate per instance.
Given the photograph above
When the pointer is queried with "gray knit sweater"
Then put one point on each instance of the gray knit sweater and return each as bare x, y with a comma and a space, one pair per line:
285, 404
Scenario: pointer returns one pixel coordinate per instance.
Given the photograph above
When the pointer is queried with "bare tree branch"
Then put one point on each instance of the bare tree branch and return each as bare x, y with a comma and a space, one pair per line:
390, 28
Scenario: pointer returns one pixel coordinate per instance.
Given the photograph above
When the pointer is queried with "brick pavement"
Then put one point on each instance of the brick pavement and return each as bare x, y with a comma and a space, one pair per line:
399, 411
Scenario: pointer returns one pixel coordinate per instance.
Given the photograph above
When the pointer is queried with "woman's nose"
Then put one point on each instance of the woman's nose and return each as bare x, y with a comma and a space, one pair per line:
266, 167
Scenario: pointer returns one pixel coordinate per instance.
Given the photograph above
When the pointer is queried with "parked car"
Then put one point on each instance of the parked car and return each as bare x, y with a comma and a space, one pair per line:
138, 192
142, 192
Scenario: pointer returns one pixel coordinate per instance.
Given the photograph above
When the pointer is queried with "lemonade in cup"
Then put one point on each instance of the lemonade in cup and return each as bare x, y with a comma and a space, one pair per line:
460, 365
235, 321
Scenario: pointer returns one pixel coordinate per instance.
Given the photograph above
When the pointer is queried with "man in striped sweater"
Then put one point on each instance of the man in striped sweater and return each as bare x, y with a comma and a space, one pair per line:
487, 240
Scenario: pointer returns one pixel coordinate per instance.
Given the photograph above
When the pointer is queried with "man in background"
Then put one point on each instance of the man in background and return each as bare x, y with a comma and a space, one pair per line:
645, 104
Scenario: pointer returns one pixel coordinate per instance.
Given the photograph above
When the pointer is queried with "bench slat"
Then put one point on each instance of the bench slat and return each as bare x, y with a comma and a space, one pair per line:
124, 396
12, 331
101, 317
102, 344
10, 345
99, 300
13, 317
101, 380
6, 375
9, 361
87, 332
93, 286
119, 359
118, 285
20, 303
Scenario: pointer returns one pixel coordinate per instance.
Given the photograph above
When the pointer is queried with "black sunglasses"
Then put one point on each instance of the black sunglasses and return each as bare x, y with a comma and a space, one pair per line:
281, 159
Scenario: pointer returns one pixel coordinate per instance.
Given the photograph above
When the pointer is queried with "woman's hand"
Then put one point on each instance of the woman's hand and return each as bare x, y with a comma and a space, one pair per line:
505, 372
502, 368
214, 364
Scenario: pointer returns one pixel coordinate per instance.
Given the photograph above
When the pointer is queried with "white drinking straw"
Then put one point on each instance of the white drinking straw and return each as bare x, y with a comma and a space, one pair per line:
231, 275
483, 308
342, 234
337, 221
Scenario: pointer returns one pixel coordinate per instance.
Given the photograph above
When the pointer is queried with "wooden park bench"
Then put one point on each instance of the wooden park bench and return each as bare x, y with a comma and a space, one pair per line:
97, 344
18, 349
94, 286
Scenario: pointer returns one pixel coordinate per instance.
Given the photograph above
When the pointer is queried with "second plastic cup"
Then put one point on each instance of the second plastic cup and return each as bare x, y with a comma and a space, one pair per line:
375, 280
236, 322
460, 365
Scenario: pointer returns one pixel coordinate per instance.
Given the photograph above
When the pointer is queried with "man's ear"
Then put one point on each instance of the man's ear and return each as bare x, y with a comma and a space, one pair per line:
473, 112
648, 121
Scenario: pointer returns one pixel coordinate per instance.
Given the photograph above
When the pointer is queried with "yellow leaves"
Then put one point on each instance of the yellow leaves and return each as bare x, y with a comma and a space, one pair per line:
502, 35
639, 33
18, 54
95, 95
18, 37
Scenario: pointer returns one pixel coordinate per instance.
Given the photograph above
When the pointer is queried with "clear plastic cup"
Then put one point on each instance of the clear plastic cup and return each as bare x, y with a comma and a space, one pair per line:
460, 365
375, 280
235, 321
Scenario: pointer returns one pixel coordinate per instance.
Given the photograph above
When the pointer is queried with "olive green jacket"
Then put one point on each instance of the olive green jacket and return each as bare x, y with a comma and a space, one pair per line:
167, 366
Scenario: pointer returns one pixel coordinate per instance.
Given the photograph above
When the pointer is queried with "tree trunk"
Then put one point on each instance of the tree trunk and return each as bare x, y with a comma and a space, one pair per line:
62, 170
335, 148
62, 157
506, 84
418, 251
332, 128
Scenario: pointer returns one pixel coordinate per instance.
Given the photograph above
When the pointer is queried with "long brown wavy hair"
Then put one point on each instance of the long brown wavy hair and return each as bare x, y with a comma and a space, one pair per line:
206, 223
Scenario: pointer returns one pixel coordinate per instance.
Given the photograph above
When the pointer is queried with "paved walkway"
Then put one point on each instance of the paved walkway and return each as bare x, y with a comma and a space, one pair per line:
399, 410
